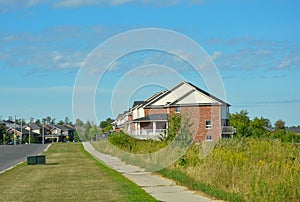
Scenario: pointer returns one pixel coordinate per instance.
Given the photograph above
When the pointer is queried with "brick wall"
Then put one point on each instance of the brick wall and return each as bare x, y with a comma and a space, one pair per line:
197, 116
155, 111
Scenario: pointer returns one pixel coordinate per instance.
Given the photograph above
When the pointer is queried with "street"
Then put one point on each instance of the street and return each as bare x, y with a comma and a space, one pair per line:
13, 154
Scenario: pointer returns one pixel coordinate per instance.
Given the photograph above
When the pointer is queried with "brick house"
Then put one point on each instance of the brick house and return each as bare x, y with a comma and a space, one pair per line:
208, 115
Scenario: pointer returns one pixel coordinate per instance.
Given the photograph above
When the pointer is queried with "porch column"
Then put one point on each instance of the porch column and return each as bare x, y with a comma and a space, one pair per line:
136, 128
139, 128
154, 127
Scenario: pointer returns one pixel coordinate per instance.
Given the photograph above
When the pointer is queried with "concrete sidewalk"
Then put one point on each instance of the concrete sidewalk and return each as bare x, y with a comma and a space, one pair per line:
162, 189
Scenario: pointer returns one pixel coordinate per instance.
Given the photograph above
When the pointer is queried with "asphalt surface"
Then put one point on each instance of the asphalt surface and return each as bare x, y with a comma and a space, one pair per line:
11, 155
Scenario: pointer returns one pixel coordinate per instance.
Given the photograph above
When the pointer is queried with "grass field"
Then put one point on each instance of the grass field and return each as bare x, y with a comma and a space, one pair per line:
238, 169
70, 174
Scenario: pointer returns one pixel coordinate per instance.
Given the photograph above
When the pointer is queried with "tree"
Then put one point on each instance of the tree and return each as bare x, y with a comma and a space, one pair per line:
260, 126
48, 119
52, 121
106, 125
93, 132
79, 123
241, 121
31, 119
86, 130
280, 125
67, 120
61, 122
38, 121
2, 134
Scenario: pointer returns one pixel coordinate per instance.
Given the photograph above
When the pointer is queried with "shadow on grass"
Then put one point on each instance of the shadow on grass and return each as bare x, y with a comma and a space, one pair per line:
51, 164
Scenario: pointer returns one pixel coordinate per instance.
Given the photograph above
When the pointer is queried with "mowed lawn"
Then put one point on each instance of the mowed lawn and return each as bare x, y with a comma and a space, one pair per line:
70, 174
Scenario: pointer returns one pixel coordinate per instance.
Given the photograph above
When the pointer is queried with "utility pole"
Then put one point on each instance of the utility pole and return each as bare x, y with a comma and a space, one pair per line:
21, 131
43, 136
15, 132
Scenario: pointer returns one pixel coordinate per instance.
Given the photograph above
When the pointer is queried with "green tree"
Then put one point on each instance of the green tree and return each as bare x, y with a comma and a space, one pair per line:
61, 122
93, 132
260, 127
67, 120
106, 125
38, 121
52, 121
48, 119
86, 130
280, 125
241, 121
79, 123
174, 122
2, 134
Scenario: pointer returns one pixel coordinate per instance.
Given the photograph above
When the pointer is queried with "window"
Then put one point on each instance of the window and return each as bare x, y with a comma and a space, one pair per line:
208, 138
177, 109
208, 124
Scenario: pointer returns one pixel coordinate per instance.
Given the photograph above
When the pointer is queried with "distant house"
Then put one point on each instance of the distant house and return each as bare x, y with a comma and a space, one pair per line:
64, 132
34, 128
209, 116
295, 130
10, 124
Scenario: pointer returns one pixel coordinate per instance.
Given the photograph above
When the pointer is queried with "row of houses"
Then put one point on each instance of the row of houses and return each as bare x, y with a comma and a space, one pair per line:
39, 132
208, 115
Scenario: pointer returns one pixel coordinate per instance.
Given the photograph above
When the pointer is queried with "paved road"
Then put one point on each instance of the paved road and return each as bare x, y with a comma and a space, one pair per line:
11, 155
162, 189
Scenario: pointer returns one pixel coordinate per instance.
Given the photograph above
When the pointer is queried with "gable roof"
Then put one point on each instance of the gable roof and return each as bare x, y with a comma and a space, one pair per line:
34, 126
182, 91
138, 104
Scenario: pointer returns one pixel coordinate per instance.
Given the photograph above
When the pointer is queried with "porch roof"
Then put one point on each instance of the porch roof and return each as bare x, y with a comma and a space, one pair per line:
152, 118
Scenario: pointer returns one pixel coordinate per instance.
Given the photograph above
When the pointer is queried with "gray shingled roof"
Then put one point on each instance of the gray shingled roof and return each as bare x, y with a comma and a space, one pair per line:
34, 126
152, 117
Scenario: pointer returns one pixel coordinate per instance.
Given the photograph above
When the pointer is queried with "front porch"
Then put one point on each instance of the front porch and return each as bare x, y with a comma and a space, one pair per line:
149, 127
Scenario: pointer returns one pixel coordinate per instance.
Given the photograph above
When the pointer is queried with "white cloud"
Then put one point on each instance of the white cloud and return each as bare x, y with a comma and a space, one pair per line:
56, 48
216, 55
289, 61
246, 53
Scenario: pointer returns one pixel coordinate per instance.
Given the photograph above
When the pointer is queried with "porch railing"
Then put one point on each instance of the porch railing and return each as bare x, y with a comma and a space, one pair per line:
228, 130
147, 133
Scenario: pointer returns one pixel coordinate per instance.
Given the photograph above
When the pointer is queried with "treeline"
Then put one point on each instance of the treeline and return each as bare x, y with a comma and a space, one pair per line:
45, 120
91, 131
262, 127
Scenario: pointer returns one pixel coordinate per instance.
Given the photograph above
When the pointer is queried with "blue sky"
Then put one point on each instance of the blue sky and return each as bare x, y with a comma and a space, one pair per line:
255, 45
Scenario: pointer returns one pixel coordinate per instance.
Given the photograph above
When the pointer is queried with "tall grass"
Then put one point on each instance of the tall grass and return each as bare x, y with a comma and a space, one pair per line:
255, 169
258, 169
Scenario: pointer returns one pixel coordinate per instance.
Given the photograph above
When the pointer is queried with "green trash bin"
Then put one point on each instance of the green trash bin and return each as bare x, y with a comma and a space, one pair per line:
31, 160
41, 159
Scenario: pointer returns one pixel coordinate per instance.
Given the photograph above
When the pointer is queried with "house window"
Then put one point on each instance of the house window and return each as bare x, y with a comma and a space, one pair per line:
208, 138
177, 109
208, 124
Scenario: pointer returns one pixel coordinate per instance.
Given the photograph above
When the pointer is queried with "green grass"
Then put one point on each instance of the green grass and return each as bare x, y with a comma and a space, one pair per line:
183, 179
239, 169
70, 174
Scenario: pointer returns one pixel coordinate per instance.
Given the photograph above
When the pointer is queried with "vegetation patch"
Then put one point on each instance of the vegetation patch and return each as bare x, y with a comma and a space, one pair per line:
70, 174
236, 169
183, 179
